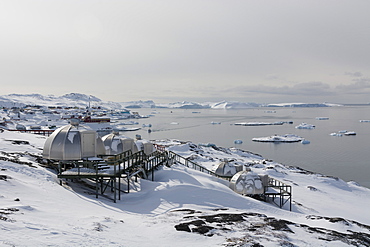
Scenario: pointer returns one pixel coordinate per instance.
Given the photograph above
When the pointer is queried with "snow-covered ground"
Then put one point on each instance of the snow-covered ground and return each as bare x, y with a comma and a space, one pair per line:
181, 207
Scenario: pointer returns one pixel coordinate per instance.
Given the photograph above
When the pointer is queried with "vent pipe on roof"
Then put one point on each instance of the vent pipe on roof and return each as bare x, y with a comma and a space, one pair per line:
74, 122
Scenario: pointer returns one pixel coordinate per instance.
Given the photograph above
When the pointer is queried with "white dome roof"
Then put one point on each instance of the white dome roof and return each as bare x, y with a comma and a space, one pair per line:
73, 143
225, 168
115, 144
248, 183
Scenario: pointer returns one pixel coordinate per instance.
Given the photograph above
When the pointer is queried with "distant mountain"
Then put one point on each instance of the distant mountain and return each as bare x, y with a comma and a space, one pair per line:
81, 97
139, 104
71, 99
185, 105
233, 105
83, 100
302, 105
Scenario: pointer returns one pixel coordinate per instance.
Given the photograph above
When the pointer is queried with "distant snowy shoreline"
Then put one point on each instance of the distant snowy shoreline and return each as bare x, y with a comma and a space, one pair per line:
83, 100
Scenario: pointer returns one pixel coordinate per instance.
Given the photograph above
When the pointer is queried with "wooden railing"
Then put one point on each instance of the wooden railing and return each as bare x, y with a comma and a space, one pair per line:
276, 188
35, 131
172, 157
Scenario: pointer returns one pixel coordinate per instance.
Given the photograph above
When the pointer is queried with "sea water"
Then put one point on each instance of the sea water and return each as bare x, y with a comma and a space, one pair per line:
346, 157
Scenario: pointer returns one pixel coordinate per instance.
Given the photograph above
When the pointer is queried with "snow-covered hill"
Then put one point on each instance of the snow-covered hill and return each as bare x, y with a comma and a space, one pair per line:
83, 100
70, 100
303, 105
233, 105
181, 207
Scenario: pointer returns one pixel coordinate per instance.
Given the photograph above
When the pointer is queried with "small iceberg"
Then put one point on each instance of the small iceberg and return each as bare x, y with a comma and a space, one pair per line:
282, 138
126, 129
238, 142
322, 118
147, 125
129, 123
336, 134
305, 141
215, 122
259, 123
343, 132
350, 133
305, 126
364, 121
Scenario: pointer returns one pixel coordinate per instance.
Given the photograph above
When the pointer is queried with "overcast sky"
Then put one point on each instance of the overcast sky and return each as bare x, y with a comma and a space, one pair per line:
199, 50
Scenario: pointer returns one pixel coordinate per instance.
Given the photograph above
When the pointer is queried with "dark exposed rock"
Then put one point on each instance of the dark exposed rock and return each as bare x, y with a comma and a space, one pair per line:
14, 157
4, 177
18, 142
183, 227
220, 209
7, 211
279, 225
223, 218
257, 226
188, 211
198, 226
311, 188
203, 230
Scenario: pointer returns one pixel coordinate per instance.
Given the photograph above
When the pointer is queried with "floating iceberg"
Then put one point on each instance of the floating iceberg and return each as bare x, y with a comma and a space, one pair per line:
336, 134
282, 138
258, 123
238, 141
343, 132
350, 133
322, 118
305, 126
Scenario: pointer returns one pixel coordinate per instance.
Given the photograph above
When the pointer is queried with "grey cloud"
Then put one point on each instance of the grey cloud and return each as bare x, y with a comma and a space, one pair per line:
360, 85
354, 74
307, 88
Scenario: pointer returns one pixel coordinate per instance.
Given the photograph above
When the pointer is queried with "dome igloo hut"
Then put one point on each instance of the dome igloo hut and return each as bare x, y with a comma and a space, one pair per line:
73, 142
116, 144
227, 169
248, 183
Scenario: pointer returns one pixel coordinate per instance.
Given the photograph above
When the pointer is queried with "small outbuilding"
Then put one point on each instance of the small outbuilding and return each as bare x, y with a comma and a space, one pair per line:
144, 145
73, 142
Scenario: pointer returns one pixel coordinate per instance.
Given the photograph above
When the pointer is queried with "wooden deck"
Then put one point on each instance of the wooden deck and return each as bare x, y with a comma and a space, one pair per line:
107, 171
278, 190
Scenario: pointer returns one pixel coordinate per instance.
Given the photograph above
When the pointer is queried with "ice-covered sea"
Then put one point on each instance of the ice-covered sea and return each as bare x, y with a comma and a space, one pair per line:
347, 157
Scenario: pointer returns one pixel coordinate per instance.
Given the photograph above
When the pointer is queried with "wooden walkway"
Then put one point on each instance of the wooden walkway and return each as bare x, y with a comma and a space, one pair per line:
35, 131
107, 171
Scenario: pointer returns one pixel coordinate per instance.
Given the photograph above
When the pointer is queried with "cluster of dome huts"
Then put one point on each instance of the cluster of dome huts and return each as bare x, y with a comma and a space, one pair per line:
242, 180
78, 142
